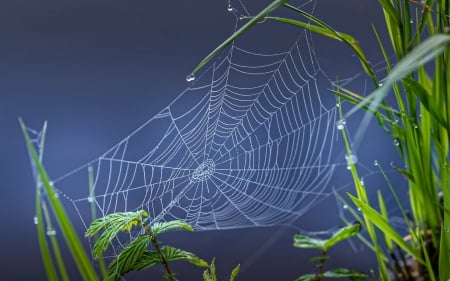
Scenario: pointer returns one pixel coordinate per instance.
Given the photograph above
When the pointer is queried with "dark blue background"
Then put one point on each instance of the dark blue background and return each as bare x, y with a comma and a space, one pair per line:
98, 69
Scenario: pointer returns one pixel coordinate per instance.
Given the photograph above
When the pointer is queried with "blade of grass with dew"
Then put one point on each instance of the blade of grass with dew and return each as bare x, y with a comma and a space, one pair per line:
254, 20
362, 194
76, 248
55, 246
385, 227
52, 275
422, 54
100, 260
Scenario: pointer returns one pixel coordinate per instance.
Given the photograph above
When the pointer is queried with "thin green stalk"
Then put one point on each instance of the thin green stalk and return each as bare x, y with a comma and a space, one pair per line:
55, 246
91, 197
52, 275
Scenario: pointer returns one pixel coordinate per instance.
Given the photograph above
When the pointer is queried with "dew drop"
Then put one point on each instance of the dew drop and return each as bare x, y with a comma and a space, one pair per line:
359, 209
411, 21
90, 199
380, 84
415, 126
338, 105
56, 194
230, 8
361, 181
345, 206
190, 77
51, 232
340, 125
35, 220
351, 159
396, 142
376, 163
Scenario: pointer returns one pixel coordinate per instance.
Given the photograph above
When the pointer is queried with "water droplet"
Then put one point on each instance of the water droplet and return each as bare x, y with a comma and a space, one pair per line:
340, 125
396, 121
51, 232
56, 194
359, 209
337, 105
51, 183
90, 199
351, 159
190, 77
396, 142
345, 206
361, 181
411, 21
376, 163
415, 126
380, 84
230, 8
35, 220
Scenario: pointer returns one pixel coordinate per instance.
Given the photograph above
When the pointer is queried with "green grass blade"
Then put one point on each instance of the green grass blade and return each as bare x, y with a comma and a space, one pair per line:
52, 275
55, 246
75, 246
100, 260
385, 227
254, 20
422, 54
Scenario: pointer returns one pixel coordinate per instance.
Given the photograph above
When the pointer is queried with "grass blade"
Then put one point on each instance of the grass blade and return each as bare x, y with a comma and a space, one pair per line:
254, 20
76, 248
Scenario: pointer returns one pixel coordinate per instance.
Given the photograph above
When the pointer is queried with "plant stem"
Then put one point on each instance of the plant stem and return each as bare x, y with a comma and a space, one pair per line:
158, 250
320, 266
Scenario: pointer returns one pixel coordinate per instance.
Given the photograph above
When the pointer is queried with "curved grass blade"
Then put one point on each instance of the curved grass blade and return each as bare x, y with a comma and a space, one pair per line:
254, 20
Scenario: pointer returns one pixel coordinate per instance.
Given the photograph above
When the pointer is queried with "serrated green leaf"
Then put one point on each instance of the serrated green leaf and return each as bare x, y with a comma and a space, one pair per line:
111, 225
127, 258
301, 241
344, 273
342, 234
174, 254
160, 227
147, 260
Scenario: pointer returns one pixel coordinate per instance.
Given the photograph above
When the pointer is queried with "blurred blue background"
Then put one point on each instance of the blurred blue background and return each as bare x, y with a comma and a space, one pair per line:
96, 70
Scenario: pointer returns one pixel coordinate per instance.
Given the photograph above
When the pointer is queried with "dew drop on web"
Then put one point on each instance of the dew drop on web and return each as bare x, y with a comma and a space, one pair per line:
190, 77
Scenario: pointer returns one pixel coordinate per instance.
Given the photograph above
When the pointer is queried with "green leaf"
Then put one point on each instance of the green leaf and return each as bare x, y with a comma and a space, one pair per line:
174, 254
127, 258
427, 101
342, 234
305, 242
235, 272
147, 260
111, 225
344, 273
210, 273
307, 277
160, 227
68, 231
261, 15
385, 227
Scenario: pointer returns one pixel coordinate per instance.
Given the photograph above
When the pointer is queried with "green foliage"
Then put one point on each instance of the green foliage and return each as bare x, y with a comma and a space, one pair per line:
111, 225
346, 232
418, 122
210, 273
135, 255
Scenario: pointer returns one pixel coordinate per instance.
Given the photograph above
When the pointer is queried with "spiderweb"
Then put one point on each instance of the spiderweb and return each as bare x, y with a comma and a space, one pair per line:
253, 141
